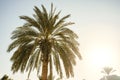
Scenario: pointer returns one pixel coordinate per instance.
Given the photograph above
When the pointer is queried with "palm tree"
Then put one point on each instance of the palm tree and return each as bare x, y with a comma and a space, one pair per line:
107, 71
43, 40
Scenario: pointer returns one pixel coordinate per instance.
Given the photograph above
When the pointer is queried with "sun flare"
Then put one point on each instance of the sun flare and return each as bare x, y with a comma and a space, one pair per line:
101, 57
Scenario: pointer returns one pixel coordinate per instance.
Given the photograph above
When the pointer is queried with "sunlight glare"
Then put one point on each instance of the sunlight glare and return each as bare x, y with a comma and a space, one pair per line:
101, 57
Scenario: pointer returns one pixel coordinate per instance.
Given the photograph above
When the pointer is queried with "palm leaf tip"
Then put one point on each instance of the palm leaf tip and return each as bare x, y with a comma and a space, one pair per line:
22, 17
10, 47
65, 17
8, 50
79, 56
44, 9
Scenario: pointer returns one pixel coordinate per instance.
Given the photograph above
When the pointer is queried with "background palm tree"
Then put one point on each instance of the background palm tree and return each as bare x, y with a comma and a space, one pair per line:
111, 77
44, 41
107, 71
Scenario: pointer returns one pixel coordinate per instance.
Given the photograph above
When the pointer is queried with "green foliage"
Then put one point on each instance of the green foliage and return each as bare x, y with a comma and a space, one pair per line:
44, 34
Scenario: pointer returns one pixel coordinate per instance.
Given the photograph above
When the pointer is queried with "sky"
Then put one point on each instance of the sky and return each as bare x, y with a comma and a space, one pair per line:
97, 23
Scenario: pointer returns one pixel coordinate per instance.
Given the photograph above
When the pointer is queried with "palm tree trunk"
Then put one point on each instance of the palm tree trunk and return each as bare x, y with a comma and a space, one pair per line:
44, 69
46, 49
51, 73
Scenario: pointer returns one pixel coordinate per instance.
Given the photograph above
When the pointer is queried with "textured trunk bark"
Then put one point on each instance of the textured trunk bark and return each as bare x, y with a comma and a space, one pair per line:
51, 75
44, 69
46, 49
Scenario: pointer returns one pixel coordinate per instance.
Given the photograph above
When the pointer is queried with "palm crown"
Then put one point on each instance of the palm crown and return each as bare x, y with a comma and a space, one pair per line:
108, 70
44, 40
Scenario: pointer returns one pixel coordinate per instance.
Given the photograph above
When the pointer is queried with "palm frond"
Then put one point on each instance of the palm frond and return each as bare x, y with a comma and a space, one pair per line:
57, 63
41, 19
20, 41
24, 31
66, 62
20, 57
61, 21
45, 12
108, 70
31, 21
69, 41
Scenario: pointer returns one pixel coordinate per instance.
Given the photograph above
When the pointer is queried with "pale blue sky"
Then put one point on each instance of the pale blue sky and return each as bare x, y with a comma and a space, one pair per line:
97, 22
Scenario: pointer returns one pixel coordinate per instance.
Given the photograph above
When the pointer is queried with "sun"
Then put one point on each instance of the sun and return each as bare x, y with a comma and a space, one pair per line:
100, 57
